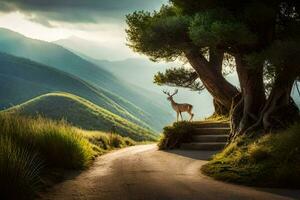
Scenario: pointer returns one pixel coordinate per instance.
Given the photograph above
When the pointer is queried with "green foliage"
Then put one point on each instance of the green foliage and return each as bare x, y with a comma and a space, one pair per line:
285, 54
31, 147
161, 35
108, 141
270, 160
179, 77
211, 29
176, 134
81, 113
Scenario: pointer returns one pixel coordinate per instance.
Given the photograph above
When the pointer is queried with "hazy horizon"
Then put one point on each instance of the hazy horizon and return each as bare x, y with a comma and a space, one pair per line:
99, 21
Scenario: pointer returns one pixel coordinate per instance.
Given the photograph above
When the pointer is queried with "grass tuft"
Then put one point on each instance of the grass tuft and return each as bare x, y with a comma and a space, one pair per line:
19, 170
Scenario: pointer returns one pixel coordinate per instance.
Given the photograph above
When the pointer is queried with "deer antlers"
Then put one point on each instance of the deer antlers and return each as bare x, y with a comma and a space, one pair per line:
170, 95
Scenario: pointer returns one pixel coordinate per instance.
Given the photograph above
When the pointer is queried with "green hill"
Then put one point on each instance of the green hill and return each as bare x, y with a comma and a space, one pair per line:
22, 80
81, 113
137, 103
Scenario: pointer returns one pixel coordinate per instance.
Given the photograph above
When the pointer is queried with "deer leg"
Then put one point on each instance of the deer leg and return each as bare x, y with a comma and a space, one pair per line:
181, 116
191, 114
177, 116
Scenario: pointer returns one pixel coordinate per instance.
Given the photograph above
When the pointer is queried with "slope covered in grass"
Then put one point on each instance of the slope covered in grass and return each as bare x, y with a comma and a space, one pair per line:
137, 103
31, 148
272, 160
22, 80
81, 113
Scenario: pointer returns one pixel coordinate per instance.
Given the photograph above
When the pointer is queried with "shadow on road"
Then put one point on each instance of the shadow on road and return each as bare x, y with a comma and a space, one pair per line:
294, 194
197, 155
206, 155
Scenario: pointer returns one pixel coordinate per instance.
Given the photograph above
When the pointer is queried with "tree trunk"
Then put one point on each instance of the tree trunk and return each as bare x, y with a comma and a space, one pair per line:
211, 76
247, 111
220, 110
280, 110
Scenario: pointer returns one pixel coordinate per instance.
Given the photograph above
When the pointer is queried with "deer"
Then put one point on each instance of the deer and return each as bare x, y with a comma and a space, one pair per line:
178, 107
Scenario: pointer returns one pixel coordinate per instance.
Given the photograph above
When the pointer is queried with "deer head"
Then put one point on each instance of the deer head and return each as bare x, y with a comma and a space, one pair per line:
170, 96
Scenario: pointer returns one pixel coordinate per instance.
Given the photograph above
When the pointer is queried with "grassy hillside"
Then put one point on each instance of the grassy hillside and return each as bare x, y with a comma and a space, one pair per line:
22, 80
33, 149
271, 160
137, 103
81, 113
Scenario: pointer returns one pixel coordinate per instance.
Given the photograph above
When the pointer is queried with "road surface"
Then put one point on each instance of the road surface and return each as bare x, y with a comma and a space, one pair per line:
144, 173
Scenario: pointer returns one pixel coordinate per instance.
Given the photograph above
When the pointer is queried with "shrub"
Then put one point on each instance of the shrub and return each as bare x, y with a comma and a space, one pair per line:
117, 141
108, 141
63, 147
174, 135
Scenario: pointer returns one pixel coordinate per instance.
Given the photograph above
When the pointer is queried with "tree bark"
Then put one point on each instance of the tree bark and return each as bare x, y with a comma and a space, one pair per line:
210, 73
220, 110
280, 109
247, 111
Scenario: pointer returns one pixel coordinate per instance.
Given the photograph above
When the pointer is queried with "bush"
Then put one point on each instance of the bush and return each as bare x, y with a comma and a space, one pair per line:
271, 160
174, 135
108, 141
64, 148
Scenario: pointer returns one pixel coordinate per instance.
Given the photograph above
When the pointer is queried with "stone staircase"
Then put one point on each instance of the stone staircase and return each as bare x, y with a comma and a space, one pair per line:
209, 136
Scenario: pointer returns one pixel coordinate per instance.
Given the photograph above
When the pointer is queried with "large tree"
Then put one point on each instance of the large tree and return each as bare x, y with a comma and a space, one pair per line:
164, 35
262, 36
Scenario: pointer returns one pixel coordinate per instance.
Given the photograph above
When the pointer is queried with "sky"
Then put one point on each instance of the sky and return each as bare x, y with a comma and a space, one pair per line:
100, 21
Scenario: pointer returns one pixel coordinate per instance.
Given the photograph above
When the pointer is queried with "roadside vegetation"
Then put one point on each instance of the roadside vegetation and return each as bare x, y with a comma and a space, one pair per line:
271, 160
31, 148
176, 134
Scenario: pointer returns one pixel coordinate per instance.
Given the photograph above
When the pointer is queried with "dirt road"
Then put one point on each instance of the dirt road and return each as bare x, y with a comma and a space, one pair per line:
144, 173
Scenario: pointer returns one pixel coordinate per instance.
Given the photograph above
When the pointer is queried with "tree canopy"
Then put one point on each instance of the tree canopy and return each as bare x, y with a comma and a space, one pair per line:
262, 37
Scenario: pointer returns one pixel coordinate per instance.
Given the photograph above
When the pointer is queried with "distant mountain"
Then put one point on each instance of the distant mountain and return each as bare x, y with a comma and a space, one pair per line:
141, 71
137, 102
81, 113
95, 49
22, 80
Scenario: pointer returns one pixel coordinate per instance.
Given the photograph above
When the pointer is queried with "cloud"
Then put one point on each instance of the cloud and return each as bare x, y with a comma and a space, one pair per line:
77, 11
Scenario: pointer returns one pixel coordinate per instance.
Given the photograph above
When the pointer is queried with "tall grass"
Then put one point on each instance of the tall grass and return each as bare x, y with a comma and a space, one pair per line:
108, 141
30, 146
19, 170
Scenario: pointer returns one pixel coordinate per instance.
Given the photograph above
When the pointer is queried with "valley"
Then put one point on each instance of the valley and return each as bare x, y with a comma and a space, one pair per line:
138, 103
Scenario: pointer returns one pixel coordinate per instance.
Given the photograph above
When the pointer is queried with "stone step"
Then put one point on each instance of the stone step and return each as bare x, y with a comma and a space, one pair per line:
212, 131
210, 138
211, 124
210, 146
